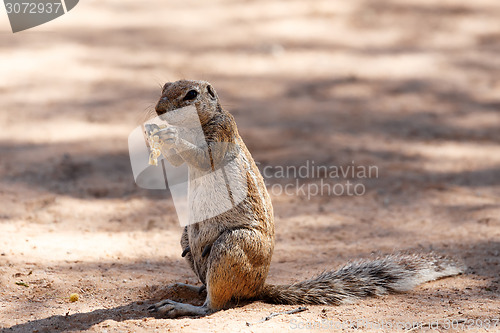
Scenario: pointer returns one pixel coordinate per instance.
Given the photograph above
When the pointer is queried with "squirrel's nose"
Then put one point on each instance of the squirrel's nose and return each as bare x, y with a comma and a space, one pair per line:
161, 106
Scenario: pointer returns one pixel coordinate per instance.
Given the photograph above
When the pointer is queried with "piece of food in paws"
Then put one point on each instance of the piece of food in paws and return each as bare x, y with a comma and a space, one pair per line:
155, 144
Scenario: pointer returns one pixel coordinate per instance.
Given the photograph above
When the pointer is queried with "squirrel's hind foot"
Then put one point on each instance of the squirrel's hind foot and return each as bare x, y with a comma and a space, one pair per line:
171, 309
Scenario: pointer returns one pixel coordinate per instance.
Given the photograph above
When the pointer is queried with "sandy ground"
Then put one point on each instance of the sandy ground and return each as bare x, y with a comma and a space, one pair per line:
409, 86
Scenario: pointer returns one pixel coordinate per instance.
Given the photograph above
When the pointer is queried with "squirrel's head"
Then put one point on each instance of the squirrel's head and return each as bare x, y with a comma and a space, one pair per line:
183, 93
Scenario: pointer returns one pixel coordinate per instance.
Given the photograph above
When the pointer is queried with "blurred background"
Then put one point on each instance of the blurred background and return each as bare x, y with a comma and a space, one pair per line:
411, 86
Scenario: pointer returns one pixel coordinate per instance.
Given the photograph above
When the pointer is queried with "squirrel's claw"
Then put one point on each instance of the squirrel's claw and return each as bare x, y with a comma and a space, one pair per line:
202, 289
186, 251
206, 251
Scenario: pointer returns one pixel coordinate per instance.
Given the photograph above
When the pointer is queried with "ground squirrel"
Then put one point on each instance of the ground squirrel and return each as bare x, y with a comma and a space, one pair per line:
231, 252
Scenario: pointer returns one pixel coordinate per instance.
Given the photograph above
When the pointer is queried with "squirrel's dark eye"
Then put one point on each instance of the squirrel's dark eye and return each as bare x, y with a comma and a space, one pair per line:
190, 95
211, 92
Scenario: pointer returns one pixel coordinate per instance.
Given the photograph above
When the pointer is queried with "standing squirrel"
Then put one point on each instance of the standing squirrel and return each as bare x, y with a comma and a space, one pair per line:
231, 252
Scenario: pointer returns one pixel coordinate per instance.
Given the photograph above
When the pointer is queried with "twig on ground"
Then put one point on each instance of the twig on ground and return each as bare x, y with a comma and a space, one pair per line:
274, 314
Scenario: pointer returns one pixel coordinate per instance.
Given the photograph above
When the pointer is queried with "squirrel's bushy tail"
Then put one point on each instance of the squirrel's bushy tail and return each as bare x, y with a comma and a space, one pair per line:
393, 273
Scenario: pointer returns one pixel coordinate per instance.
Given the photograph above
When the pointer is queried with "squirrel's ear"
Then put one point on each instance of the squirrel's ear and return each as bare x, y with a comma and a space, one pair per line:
211, 92
219, 108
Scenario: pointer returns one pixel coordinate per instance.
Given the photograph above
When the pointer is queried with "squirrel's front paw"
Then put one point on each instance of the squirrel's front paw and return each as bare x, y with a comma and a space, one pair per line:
169, 136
